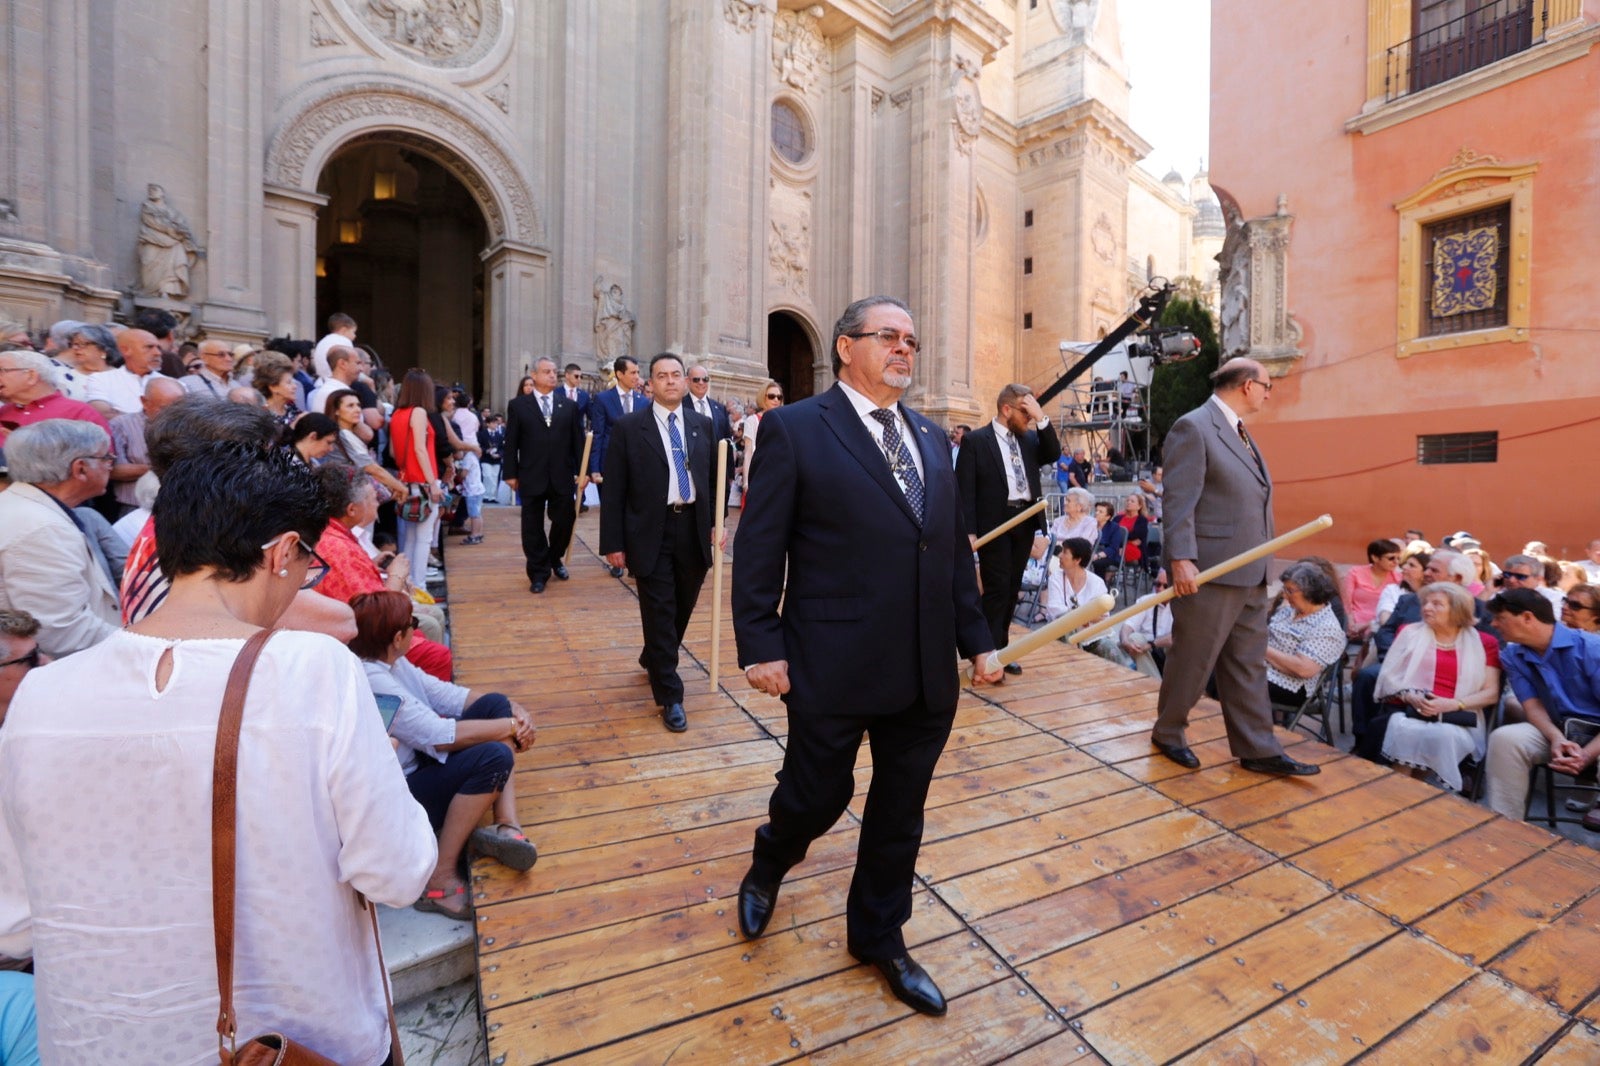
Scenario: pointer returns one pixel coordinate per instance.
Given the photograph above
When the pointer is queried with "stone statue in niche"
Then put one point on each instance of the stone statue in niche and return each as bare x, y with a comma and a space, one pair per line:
167, 248
613, 322
798, 50
1234, 278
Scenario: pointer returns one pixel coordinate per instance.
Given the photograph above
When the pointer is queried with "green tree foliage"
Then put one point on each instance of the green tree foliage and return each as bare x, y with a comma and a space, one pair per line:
1178, 388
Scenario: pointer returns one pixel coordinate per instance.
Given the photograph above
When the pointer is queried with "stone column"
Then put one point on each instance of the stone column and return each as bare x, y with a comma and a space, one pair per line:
289, 260
516, 316
235, 145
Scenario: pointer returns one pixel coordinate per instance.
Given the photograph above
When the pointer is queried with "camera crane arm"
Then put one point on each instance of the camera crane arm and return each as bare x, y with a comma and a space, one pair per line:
1150, 308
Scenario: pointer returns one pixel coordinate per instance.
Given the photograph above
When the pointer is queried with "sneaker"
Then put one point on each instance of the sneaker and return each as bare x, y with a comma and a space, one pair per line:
473, 540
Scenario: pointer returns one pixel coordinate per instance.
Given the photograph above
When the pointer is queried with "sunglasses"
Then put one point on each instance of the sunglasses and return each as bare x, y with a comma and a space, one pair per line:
27, 662
774, 395
1512, 575
699, 381
1576, 605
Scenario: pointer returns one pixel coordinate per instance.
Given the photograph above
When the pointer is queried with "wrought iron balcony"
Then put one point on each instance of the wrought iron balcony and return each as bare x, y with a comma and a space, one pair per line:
1486, 34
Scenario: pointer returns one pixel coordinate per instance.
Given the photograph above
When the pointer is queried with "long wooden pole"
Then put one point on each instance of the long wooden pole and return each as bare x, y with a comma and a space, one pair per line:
583, 486
1046, 633
718, 525
1271, 547
1010, 523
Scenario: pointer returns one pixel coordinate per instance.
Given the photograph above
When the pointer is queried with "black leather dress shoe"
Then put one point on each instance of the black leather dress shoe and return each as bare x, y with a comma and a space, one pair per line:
1178, 754
672, 714
912, 986
536, 588
1013, 669
561, 571
1280, 764
757, 898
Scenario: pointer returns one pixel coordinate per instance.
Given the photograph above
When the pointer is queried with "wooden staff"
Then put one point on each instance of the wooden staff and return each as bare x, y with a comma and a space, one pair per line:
583, 486
1015, 520
1046, 633
1316, 525
716, 561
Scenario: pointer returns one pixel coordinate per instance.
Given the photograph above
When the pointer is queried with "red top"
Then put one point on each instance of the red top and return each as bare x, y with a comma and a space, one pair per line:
1132, 553
350, 569
405, 453
15, 416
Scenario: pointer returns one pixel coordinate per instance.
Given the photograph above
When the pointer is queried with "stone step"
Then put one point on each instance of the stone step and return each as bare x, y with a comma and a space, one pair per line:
424, 952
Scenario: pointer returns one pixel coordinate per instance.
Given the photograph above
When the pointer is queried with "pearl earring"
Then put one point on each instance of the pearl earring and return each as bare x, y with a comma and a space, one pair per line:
283, 573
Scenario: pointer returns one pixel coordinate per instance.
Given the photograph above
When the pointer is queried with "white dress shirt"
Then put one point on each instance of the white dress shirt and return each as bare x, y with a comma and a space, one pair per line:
908, 433
119, 387
1013, 463
661, 413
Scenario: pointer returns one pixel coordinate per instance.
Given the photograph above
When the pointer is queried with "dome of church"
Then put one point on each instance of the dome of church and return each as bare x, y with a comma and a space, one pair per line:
1172, 176
1208, 219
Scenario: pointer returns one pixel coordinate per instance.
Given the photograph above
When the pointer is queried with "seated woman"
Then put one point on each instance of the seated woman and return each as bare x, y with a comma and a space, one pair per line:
1137, 525
117, 908
1414, 559
1109, 540
353, 503
1580, 608
1439, 669
1364, 584
1070, 585
1304, 636
1077, 517
453, 748
313, 437
344, 407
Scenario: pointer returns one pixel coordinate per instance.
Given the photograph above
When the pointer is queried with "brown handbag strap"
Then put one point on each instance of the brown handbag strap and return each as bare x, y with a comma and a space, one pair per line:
224, 841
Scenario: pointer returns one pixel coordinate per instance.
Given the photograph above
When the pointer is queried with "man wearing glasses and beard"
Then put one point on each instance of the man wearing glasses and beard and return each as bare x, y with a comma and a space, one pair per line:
854, 529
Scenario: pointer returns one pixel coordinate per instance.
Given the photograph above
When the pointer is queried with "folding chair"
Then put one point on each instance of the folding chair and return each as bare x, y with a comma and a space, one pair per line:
1474, 771
1580, 731
1314, 705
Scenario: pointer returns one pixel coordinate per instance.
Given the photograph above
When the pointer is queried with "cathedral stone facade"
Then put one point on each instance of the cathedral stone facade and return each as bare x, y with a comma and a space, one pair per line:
481, 182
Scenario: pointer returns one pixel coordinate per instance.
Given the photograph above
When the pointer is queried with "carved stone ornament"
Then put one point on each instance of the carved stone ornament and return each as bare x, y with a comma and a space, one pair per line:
322, 34
1255, 293
789, 241
167, 248
440, 33
613, 322
461, 147
798, 50
741, 14
1103, 239
968, 119
500, 96
1463, 159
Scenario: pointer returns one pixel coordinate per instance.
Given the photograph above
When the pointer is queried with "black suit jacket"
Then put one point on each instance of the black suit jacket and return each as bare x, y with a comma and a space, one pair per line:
875, 607
984, 476
543, 459
636, 473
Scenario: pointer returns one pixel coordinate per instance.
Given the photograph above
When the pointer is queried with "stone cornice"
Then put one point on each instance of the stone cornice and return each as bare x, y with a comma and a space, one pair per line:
1090, 113
965, 16
1543, 56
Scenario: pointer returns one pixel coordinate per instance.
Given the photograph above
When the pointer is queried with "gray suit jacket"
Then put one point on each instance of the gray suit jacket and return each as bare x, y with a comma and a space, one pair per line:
1218, 499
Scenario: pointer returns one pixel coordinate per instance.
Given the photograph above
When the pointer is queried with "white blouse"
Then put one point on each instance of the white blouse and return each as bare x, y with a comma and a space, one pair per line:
105, 849
1059, 597
426, 718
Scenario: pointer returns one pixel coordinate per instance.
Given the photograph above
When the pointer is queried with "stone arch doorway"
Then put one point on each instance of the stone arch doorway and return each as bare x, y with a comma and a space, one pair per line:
791, 355
399, 248
329, 118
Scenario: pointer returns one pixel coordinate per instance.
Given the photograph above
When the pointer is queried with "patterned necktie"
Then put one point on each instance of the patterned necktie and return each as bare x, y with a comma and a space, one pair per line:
544, 407
894, 446
680, 461
627, 403
1018, 479
1249, 445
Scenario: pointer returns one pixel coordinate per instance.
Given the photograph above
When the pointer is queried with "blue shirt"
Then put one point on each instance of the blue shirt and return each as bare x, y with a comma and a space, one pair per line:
1566, 678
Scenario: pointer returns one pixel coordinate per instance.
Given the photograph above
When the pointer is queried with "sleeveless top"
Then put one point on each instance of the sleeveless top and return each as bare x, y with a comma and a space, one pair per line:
405, 453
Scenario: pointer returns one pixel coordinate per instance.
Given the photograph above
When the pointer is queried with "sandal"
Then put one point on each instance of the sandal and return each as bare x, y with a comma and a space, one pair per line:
473, 540
506, 844
434, 901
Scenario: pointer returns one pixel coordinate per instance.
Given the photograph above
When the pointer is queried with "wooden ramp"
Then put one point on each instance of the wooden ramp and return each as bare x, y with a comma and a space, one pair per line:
1078, 900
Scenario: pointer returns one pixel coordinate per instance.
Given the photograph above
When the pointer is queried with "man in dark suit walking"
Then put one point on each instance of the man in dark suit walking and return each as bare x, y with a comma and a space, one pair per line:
1217, 504
854, 529
657, 518
605, 408
544, 441
997, 470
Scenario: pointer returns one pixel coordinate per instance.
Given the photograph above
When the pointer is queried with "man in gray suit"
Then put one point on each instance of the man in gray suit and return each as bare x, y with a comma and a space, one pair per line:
1218, 503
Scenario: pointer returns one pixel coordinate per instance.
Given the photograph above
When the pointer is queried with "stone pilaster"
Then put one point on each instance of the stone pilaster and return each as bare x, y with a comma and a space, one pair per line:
289, 244
516, 315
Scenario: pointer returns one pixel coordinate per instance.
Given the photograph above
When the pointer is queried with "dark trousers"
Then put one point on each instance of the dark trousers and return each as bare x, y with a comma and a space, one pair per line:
1000, 566
543, 553
667, 595
814, 788
1369, 719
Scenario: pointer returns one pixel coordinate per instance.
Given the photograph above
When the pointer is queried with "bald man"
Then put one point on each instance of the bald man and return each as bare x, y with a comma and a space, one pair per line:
127, 439
215, 376
120, 391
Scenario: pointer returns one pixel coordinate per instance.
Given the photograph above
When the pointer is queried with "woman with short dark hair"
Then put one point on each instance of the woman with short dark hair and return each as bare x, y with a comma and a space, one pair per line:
453, 748
118, 905
1304, 636
1364, 584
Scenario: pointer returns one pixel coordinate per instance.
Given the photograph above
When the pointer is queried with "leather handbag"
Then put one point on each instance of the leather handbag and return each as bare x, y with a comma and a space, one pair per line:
268, 1049
417, 507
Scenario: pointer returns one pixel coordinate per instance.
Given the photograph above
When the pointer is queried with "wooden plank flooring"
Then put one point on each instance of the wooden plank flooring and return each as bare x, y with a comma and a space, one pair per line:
1079, 899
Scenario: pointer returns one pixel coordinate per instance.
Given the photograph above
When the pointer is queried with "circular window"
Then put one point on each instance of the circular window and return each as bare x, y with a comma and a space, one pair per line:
789, 137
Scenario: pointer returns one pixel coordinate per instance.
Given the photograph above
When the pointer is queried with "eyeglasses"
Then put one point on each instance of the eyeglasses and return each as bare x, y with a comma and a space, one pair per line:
889, 337
1576, 605
316, 570
27, 662
1264, 384
13, 369
112, 459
